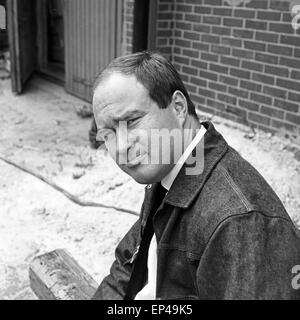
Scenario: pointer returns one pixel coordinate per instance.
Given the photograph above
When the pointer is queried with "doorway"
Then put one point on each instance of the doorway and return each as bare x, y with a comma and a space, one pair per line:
51, 39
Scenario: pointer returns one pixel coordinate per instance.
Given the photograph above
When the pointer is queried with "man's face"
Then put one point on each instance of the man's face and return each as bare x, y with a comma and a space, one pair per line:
125, 116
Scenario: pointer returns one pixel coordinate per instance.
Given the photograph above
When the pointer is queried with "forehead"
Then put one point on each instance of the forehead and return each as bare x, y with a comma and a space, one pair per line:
118, 92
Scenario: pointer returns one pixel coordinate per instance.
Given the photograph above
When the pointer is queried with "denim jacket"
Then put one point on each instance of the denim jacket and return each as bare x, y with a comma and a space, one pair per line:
222, 234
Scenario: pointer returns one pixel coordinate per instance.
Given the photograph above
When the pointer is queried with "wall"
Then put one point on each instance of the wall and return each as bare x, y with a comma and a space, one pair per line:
242, 62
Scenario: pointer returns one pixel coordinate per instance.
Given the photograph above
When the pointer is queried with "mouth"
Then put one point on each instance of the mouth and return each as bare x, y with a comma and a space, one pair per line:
136, 161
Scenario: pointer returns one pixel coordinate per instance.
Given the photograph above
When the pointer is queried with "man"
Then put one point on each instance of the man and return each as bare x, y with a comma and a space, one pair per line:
220, 232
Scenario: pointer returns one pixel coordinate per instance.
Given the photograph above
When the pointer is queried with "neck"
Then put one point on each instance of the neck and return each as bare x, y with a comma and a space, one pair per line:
190, 128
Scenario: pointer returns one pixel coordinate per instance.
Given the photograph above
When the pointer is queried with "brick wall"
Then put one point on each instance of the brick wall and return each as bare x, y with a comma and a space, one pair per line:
242, 62
128, 17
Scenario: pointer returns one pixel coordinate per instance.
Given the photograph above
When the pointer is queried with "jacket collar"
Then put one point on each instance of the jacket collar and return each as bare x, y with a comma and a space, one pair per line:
185, 188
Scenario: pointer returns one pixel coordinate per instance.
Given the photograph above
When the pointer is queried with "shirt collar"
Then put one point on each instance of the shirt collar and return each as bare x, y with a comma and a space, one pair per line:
185, 187
168, 180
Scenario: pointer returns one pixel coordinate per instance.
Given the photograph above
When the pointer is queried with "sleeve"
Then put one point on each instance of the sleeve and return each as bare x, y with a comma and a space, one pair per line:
114, 286
250, 256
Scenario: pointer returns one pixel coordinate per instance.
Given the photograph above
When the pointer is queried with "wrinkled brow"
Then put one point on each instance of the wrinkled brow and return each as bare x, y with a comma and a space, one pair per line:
129, 115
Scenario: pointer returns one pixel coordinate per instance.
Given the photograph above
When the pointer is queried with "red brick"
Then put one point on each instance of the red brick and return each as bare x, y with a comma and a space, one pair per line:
230, 61
269, 15
282, 50
197, 99
203, 10
190, 88
192, 17
228, 80
211, 20
242, 33
282, 27
285, 105
231, 22
227, 98
240, 73
200, 46
274, 92
208, 75
165, 15
272, 112
199, 64
244, 13
220, 49
290, 40
217, 86
222, 11
252, 65
183, 25
252, 45
248, 105
164, 33
232, 42
191, 35
259, 118
209, 57
260, 98
182, 43
277, 71
218, 68
190, 53
254, 24
240, 53
199, 82
250, 85
295, 75
293, 118
293, 63
268, 58
184, 8
263, 78
206, 93
267, 36
182, 60
280, 5
283, 125
294, 96
213, 2
292, 85
236, 111
177, 34
216, 104
297, 53
238, 92
210, 39
221, 30
258, 4
201, 28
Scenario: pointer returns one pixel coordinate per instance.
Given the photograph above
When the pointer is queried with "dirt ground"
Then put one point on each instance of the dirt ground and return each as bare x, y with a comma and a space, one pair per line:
41, 130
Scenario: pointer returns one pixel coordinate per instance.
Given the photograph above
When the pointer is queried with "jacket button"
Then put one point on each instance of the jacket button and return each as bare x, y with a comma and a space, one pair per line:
149, 186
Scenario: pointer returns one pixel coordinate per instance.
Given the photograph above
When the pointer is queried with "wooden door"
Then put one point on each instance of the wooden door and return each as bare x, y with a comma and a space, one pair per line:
22, 41
92, 40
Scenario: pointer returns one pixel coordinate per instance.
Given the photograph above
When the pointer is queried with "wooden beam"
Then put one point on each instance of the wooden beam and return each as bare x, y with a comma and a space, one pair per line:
57, 276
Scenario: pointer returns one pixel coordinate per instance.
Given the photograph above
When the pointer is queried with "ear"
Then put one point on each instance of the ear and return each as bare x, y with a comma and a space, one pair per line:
180, 107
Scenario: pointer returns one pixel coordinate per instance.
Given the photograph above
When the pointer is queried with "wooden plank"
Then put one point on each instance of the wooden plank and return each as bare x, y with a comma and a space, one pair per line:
57, 276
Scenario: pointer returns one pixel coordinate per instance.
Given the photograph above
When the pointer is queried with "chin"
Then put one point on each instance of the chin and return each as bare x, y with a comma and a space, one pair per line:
147, 174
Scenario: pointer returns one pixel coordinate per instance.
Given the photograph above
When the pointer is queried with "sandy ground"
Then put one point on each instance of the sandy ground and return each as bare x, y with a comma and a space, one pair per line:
40, 129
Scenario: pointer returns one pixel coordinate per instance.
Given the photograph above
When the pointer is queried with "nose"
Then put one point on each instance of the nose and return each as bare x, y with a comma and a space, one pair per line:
123, 145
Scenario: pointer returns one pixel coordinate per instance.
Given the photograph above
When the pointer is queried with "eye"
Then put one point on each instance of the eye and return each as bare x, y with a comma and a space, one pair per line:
131, 121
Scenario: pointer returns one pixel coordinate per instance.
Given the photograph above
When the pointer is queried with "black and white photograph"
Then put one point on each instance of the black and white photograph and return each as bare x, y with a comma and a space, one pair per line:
149, 151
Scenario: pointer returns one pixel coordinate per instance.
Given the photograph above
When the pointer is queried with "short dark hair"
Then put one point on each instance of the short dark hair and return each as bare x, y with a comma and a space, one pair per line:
155, 72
